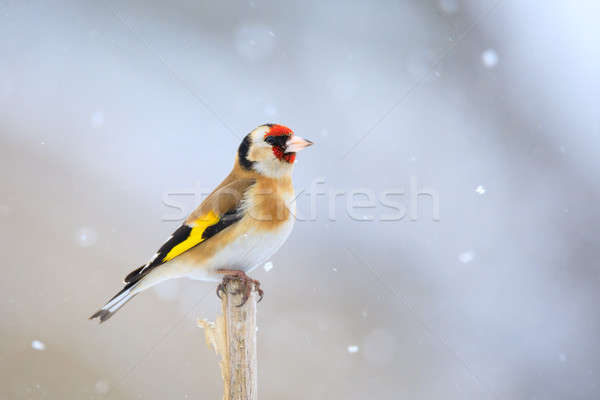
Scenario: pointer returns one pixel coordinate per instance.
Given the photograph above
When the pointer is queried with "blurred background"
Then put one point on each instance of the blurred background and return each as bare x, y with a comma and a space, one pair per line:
111, 111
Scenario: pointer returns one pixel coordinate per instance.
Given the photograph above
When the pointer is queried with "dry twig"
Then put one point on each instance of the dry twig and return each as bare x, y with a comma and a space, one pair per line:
233, 336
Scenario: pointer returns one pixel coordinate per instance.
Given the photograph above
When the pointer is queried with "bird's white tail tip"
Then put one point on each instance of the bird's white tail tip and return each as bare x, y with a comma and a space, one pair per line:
114, 304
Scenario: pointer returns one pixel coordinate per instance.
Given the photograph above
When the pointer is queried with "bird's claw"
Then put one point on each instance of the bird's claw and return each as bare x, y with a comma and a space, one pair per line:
220, 289
260, 292
247, 285
248, 282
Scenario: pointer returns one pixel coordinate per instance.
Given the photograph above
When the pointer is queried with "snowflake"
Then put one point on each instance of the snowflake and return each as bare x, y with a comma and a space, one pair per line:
86, 237
38, 345
466, 257
353, 349
489, 58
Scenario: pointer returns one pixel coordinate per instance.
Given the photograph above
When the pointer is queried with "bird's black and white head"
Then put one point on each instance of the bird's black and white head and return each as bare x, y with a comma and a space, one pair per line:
270, 150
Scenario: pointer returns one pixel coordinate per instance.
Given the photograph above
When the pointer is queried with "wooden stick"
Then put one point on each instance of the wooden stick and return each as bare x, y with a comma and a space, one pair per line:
233, 336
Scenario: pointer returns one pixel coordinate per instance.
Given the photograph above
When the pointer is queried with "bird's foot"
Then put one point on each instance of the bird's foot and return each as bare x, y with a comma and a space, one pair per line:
234, 274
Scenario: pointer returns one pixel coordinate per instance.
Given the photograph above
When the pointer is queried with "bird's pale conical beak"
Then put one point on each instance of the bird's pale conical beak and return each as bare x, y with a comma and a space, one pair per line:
296, 143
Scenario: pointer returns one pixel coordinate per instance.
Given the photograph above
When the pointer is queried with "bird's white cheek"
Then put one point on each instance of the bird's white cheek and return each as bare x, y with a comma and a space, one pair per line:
273, 168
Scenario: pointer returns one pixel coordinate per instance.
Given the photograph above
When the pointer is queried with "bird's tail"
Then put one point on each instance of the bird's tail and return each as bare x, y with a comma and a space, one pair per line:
118, 301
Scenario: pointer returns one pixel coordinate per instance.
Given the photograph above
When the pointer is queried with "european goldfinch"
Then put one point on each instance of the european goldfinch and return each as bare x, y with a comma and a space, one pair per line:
237, 228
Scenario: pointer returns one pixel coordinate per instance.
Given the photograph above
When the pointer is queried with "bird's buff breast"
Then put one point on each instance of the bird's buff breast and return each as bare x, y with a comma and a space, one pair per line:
249, 243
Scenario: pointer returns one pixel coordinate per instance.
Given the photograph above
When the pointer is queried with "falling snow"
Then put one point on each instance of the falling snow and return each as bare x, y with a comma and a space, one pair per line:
353, 349
86, 237
466, 257
114, 110
480, 190
38, 345
268, 266
489, 58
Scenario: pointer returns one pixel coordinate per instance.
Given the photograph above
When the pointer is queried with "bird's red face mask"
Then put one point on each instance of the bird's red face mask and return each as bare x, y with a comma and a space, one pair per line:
284, 143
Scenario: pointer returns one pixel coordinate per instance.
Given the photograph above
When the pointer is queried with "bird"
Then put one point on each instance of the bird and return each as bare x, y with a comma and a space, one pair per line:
239, 226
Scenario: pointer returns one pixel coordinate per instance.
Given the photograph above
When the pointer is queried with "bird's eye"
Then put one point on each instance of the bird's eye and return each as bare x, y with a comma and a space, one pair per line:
277, 140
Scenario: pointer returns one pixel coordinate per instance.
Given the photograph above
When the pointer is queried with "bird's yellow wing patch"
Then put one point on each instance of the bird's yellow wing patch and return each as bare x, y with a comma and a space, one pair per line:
195, 236
216, 213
